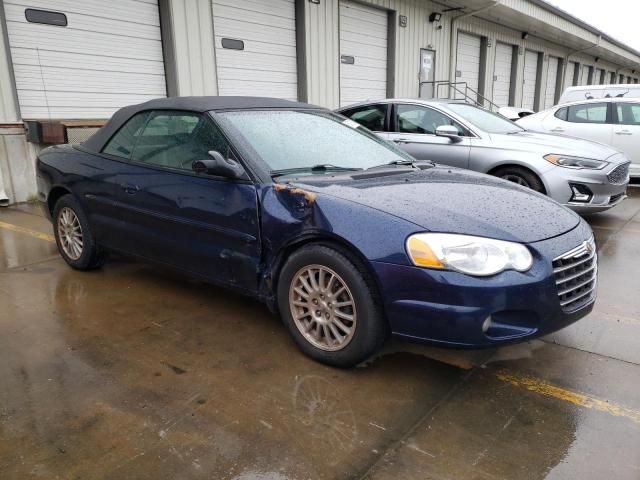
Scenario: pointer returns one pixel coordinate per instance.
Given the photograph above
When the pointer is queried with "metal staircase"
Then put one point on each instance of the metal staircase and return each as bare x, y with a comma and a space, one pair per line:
444, 89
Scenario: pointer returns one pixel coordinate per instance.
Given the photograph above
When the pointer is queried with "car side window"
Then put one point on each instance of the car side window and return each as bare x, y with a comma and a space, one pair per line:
561, 113
175, 139
370, 116
418, 119
124, 141
587, 113
628, 113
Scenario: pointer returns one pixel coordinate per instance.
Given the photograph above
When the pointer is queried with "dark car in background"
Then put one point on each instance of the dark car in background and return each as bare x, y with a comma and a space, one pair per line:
349, 238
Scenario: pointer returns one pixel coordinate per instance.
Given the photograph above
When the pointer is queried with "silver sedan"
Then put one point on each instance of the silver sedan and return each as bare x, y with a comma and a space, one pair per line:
582, 175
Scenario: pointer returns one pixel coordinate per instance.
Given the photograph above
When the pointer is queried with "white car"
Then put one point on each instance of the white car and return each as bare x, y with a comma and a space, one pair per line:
613, 121
589, 92
514, 113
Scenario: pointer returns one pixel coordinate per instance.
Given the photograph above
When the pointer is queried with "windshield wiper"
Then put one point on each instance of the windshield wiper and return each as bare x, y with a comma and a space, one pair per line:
408, 163
324, 167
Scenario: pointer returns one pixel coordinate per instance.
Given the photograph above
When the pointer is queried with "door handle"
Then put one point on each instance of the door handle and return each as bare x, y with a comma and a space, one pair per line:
557, 129
401, 140
624, 132
129, 188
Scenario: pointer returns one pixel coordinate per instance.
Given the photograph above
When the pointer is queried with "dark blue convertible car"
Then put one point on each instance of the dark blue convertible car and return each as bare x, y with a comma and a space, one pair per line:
346, 236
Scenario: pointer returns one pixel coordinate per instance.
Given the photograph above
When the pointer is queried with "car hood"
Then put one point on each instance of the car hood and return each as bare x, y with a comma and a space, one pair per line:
545, 143
451, 200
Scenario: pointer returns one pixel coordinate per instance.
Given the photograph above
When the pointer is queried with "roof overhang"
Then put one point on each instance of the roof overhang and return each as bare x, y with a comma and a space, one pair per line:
547, 22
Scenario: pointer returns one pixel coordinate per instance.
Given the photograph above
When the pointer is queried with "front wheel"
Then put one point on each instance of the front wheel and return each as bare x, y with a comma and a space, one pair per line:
73, 235
330, 306
521, 176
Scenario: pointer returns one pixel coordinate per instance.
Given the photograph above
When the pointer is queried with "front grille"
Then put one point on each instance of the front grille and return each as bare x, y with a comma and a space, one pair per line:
614, 198
576, 274
619, 175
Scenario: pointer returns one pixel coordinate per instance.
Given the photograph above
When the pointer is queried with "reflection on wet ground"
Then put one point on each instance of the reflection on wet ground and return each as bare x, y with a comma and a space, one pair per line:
139, 372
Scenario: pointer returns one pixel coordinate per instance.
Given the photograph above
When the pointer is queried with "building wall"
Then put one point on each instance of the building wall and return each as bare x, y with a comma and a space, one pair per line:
322, 46
193, 47
322, 53
17, 165
8, 108
190, 59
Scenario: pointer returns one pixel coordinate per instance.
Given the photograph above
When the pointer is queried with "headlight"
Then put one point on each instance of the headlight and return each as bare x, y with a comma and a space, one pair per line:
463, 253
574, 162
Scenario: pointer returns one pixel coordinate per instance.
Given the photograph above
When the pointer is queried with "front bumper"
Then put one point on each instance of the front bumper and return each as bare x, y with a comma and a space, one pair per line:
605, 195
451, 309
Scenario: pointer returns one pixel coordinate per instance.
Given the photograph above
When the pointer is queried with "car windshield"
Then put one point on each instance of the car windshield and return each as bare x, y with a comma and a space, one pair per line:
485, 120
310, 141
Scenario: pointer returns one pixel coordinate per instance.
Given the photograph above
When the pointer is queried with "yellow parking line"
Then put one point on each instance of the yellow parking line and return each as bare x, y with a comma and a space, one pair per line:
28, 231
577, 398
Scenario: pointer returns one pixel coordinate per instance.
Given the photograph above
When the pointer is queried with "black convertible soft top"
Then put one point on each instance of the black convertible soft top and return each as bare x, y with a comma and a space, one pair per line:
194, 104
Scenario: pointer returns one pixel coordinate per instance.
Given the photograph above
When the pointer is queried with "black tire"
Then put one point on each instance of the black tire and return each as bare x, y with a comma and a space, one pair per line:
91, 256
521, 176
370, 329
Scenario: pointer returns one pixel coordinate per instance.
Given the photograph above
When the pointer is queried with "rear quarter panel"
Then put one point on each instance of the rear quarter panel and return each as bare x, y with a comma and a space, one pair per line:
92, 179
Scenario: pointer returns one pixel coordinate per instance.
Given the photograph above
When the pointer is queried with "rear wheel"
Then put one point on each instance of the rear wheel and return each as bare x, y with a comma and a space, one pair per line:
73, 235
330, 306
521, 176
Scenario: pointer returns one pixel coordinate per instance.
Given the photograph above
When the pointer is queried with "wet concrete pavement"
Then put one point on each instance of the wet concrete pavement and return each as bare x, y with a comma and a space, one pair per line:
138, 372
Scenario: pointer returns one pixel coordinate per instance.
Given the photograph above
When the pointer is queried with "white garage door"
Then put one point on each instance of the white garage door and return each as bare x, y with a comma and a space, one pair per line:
530, 76
502, 74
255, 44
363, 53
107, 56
552, 82
468, 61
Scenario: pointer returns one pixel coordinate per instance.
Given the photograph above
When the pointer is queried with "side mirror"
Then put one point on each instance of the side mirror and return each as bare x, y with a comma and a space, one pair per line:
450, 132
219, 166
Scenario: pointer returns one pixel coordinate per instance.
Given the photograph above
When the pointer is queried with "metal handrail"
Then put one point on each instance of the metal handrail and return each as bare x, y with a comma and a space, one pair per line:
480, 100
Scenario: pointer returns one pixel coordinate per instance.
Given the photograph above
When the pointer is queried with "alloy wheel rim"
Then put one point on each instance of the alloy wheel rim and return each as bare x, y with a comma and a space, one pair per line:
70, 233
322, 307
516, 179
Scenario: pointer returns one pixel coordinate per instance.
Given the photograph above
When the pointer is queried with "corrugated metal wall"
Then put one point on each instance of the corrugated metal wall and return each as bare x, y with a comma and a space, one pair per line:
323, 51
192, 25
8, 111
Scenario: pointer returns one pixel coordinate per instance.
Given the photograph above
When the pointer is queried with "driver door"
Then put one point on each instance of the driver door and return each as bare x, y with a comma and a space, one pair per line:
413, 129
203, 224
